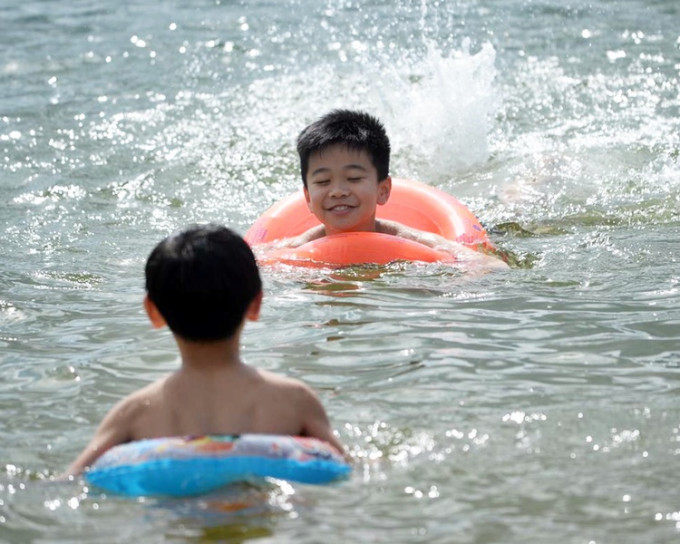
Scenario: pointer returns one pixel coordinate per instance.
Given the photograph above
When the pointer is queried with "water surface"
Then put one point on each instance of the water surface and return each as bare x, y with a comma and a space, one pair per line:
533, 405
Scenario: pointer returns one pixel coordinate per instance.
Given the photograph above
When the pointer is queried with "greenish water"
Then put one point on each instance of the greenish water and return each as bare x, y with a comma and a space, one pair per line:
534, 405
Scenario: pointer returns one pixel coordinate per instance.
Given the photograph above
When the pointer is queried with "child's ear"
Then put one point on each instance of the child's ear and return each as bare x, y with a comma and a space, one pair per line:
253, 311
307, 199
384, 190
157, 320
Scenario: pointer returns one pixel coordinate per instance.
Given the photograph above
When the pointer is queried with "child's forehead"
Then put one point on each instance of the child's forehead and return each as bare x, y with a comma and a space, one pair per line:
340, 151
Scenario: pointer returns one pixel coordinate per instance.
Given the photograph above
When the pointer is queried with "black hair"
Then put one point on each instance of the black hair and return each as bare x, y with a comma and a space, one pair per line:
356, 129
202, 281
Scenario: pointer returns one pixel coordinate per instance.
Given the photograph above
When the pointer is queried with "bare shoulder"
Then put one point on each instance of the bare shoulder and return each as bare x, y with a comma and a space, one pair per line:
139, 400
308, 236
283, 390
284, 383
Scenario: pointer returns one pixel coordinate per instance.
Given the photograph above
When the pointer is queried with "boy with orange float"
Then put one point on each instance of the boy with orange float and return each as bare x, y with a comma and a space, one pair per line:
344, 163
204, 284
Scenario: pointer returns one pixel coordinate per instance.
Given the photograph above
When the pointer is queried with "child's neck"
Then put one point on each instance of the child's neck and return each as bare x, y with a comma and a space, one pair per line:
218, 354
371, 227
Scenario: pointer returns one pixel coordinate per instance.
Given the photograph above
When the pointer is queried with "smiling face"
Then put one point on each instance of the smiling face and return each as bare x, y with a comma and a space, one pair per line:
343, 189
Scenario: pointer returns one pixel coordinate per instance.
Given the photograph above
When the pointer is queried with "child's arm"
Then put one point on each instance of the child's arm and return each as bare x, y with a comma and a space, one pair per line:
435, 241
296, 241
316, 423
113, 430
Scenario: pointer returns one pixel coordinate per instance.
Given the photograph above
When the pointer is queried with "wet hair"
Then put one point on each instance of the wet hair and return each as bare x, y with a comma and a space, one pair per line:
202, 281
356, 129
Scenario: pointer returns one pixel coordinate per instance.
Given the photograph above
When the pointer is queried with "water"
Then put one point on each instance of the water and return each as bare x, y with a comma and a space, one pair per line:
537, 405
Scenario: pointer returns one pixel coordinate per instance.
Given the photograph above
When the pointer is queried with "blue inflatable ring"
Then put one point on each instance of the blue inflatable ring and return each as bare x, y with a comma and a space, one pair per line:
184, 466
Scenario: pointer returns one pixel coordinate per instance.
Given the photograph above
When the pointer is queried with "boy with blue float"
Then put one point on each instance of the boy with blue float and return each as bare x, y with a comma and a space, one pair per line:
344, 164
204, 284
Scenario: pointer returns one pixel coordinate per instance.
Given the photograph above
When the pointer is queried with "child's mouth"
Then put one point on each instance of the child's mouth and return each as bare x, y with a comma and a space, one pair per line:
340, 208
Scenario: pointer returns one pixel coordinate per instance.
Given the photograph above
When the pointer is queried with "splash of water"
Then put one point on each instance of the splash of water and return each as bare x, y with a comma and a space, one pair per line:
440, 110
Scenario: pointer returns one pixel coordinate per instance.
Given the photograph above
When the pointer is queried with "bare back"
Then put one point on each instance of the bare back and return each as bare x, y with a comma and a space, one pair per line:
232, 399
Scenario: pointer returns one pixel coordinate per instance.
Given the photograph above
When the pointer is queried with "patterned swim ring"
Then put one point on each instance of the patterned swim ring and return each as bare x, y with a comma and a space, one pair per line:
185, 466
412, 203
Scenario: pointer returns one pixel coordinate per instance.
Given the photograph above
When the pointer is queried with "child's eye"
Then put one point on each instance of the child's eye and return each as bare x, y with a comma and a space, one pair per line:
355, 179
321, 181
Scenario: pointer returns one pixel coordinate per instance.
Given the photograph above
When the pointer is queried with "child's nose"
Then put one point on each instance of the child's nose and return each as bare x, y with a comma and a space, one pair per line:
339, 188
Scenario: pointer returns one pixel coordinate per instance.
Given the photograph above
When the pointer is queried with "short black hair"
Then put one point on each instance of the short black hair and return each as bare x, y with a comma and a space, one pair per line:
356, 129
202, 281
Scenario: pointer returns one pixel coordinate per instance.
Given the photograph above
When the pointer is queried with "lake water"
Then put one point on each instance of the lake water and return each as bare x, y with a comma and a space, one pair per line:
529, 406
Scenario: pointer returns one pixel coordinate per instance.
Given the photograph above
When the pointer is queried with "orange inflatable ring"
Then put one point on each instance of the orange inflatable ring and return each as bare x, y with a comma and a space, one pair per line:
411, 203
